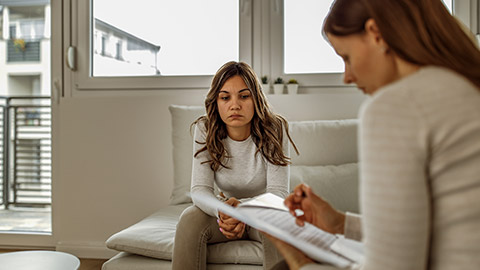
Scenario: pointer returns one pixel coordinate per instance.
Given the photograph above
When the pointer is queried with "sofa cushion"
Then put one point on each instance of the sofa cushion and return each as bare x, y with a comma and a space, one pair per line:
326, 142
336, 184
154, 237
182, 140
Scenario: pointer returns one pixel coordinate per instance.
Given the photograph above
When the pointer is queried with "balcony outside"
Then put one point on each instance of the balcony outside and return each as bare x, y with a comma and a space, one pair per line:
25, 116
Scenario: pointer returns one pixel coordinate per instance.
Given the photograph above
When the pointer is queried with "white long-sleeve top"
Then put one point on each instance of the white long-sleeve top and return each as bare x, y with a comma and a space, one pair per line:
249, 173
420, 174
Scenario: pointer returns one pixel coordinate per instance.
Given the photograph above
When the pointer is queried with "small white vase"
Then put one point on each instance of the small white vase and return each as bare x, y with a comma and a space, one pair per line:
266, 88
278, 89
292, 88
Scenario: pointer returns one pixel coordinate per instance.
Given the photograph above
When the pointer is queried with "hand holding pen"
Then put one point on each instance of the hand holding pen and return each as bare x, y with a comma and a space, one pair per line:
315, 210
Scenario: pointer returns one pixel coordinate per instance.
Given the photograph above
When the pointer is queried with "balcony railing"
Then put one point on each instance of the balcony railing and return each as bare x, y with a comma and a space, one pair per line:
25, 151
30, 52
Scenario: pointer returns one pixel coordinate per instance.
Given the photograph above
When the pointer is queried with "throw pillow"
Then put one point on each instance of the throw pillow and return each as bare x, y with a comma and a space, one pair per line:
182, 140
336, 184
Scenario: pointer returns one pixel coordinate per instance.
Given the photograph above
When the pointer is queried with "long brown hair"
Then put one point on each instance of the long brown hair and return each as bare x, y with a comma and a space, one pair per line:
266, 129
421, 32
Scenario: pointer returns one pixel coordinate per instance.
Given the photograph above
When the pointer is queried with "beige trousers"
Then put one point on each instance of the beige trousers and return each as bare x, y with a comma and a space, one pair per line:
196, 229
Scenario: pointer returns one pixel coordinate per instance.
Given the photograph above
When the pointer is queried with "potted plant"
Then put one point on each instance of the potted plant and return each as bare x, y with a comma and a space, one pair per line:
278, 86
292, 86
265, 84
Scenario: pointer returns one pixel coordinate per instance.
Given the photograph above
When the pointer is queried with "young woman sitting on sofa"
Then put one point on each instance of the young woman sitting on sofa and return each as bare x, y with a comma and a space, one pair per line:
419, 137
241, 146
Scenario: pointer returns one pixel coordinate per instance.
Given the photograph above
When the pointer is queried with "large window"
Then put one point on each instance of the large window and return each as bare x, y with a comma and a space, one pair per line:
163, 37
154, 44
160, 44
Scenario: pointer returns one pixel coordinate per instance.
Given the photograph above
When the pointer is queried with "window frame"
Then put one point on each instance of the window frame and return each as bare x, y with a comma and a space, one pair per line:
82, 28
261, 45
307, 80
466, 11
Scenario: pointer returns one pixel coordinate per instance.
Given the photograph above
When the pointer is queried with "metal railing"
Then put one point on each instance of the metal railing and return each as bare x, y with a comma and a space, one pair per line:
25, 150
29, 53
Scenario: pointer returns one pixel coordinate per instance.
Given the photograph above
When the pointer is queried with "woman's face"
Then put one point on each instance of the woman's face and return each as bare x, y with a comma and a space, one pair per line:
367, 63
235, 104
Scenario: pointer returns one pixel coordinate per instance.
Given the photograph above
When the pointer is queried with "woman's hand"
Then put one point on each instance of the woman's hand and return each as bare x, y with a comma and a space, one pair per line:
315, 210
294, 257
229, 226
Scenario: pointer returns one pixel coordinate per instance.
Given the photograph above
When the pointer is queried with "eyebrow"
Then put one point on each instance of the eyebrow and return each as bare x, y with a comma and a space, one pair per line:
243, 90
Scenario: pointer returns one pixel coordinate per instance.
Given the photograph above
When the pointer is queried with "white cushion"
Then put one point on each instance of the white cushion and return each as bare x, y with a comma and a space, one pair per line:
154, 237
336, 184
182, 140
327, 142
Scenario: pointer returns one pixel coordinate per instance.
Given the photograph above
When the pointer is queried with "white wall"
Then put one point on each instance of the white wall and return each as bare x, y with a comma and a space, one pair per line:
112, 158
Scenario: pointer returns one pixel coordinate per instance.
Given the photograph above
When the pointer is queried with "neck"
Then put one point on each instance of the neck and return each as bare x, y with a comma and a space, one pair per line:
238, 133
405, 68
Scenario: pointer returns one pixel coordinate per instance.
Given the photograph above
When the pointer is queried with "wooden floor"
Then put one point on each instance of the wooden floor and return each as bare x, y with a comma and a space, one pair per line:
91, 264
85, 264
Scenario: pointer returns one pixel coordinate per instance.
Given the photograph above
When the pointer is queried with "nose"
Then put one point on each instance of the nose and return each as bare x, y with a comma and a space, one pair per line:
348, 76
235, 105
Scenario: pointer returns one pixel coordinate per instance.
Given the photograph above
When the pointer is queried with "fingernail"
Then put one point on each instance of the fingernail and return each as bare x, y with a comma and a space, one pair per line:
221, 230
218, 220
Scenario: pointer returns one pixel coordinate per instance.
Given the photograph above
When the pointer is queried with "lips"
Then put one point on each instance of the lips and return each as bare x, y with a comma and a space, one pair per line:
235, 116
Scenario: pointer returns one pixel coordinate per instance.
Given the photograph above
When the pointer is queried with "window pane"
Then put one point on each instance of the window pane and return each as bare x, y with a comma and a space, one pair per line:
163, 37
306, 51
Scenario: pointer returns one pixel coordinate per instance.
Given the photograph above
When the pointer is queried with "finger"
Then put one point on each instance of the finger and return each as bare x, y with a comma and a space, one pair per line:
238, 228
225, 217
299, 190
289, 200
292, 201
222, 215
228, 234
232, 201
241, 231
231, 221
225, 226
300, 222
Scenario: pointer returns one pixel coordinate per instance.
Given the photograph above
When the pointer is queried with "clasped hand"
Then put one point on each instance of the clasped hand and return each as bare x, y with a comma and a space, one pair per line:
229, 226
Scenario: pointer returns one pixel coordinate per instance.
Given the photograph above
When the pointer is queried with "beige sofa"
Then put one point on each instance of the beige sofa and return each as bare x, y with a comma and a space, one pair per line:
327, 162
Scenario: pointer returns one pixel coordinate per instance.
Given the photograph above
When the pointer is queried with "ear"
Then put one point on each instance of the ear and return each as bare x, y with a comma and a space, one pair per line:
372, 31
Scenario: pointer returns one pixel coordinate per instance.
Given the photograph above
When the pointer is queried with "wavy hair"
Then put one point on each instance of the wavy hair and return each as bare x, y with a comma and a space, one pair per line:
421, 32
266, 127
